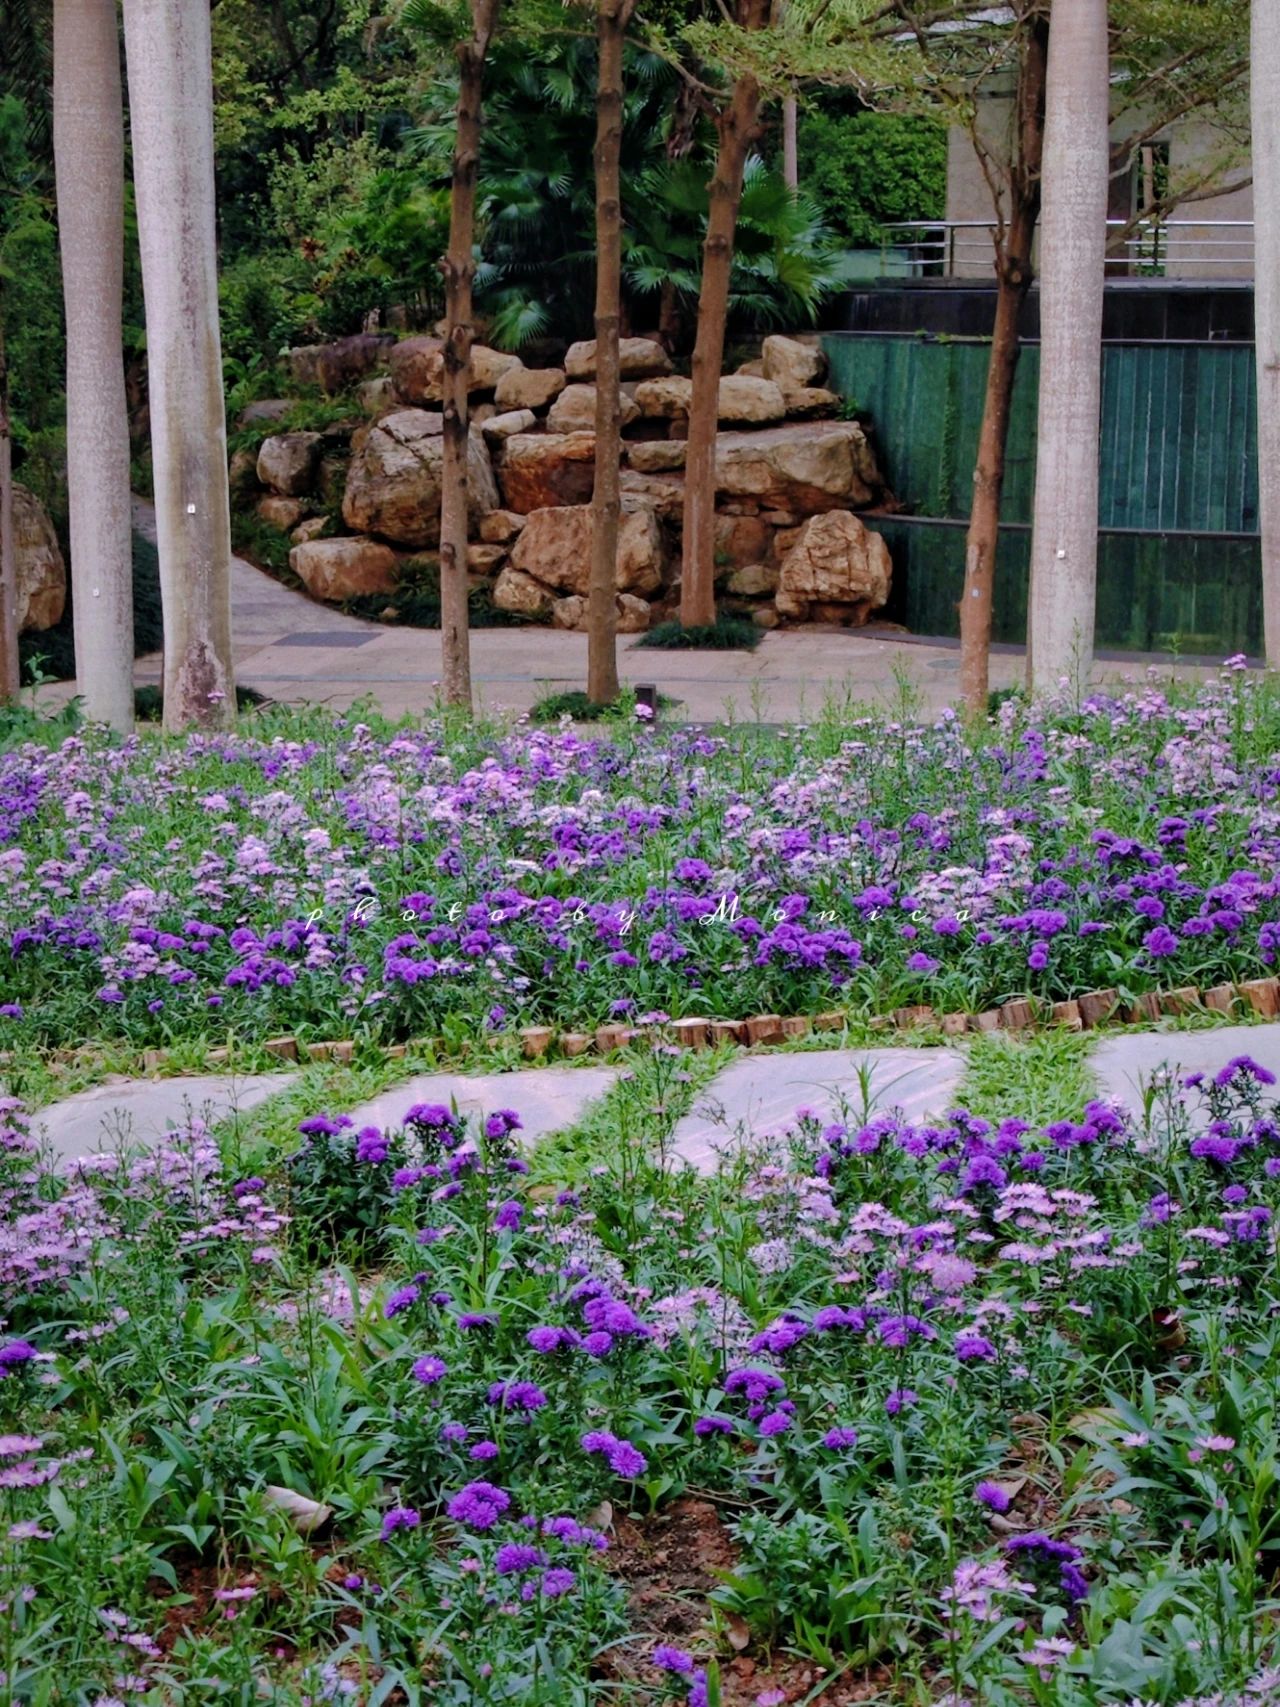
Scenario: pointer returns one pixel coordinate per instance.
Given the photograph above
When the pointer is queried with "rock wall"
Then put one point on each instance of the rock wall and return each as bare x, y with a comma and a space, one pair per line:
789, 475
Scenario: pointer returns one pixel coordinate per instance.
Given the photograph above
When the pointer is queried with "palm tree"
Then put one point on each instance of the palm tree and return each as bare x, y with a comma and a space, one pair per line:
88, 139
1264, 75
1073, 236
171, 116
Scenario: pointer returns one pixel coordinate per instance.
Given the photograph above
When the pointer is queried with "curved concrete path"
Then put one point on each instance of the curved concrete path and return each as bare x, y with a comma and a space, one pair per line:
297, 651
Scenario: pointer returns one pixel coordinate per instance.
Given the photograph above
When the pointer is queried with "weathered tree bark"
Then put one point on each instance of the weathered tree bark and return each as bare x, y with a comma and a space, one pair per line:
790, 143
458, 267
1264, 73
1073, 239
88, 152
612, 17
1014, 274
737, 125
171, 118
8, 545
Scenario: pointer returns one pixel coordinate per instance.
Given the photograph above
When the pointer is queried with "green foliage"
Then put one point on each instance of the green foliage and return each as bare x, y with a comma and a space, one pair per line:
50, 653
416, 600
865, 170
726, 634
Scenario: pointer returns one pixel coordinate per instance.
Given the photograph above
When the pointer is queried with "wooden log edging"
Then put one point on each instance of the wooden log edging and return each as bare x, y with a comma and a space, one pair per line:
1088, 1012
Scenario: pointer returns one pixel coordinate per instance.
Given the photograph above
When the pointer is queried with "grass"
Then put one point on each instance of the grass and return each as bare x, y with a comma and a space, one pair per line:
726, 634
1037, 1076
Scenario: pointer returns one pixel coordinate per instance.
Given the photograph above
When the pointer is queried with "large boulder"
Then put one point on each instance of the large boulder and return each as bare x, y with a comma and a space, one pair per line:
266, 409
282, 514
520, 594
287, 462
417, 369
741, 398
506, 425
811, 401
657, 456
836, 568
664, 399
337, 366
555, 548
753, 402
638, 358
802, 468
393, 482
42, 573
541, 469
337, 569
416, 366
500, 527
740, 540
529, 387
574, 411
791, 364
633, 614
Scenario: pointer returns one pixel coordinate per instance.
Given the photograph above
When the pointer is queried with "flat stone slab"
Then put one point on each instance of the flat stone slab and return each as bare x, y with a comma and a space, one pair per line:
1122, 1062
547, 1099
761, 1093
140, 1112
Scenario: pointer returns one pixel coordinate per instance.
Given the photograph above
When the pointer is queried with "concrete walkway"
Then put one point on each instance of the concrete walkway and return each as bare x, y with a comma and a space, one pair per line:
751, 1096
299, 652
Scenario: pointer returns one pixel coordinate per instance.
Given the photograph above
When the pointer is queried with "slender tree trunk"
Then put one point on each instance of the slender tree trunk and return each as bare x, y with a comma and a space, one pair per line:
737, 126
171, 118
1073, 239
1014, 274
8, 545
1264, 71
88, 149
458, 267
612, 17
790, 143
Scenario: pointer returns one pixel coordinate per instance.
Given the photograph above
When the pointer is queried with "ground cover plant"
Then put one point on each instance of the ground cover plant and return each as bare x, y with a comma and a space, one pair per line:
343, 877
978, 1411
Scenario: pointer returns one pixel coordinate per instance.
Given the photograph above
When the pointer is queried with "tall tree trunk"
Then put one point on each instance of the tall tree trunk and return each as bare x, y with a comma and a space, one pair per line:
1264, 72
458, 267
737, 125
612, 17
171, 118
1014, 274
8, 545
1073, 240
790, 143
88, 151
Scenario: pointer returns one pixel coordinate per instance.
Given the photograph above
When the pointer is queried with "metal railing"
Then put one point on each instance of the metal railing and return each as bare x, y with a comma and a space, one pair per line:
1165, 248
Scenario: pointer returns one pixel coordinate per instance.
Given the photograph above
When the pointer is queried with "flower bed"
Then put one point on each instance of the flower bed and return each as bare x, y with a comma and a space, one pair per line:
990, 1413
335, 880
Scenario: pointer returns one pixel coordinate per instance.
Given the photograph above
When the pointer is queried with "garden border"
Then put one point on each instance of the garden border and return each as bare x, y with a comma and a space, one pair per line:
1088, 1012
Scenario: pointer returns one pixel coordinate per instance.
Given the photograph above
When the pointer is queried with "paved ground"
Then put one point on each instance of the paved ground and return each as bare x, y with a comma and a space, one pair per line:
139, 1111
297, 651
761, 1093
752, 1095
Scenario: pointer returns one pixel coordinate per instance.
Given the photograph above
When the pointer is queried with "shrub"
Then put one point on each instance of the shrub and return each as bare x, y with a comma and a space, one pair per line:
726, 634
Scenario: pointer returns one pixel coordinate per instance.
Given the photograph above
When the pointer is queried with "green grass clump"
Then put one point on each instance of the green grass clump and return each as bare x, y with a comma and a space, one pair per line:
725, 634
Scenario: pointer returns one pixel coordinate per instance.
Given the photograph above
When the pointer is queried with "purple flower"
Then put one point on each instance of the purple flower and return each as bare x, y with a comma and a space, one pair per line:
517, 1395
403, 1298
971, 1347
1247, 1068
429, 1370
484, 1451
399, 1517
840, 1439
479, 1505
992, 1495
15, 1355
507, 1219
901, 1399
515, 1557
549, 1339
1160, 942
706, 1426
477, 1319
777, 1422
667, 1658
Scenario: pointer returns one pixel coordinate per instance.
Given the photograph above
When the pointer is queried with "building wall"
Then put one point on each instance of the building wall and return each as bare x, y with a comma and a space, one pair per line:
1195, 250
